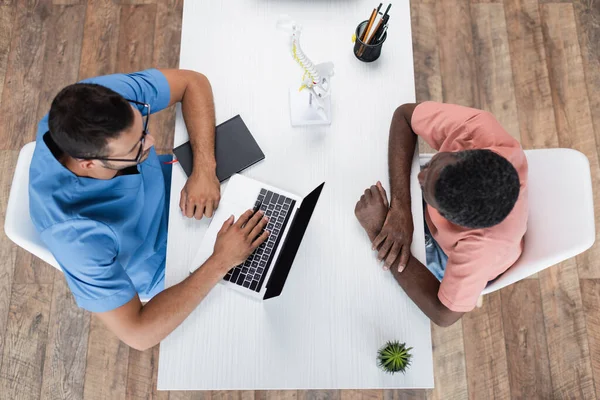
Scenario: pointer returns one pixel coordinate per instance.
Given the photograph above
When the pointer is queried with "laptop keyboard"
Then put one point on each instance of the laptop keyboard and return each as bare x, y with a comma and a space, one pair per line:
252, 272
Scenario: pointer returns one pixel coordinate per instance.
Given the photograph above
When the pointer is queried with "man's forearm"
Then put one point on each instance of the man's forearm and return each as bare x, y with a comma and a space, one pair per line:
168, 309
198, 111
401, 150
422, 287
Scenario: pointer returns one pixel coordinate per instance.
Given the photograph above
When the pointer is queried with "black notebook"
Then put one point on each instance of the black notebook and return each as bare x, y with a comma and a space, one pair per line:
235, 149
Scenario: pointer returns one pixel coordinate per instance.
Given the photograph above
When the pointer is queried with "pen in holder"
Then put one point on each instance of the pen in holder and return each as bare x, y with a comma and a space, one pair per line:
368, 52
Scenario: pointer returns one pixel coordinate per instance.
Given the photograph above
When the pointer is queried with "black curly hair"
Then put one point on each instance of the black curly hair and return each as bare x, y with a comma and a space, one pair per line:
477, 191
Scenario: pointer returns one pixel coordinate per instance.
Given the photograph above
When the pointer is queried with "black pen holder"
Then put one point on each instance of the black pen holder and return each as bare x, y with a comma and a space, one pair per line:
367, 52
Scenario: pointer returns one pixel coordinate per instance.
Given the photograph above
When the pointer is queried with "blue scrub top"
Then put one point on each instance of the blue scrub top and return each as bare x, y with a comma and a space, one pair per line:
109, 236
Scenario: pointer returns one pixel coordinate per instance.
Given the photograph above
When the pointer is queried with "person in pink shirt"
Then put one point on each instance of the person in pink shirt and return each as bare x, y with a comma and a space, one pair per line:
475, 190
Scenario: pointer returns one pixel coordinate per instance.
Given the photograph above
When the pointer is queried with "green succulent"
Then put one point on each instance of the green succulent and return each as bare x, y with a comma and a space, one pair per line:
394, 357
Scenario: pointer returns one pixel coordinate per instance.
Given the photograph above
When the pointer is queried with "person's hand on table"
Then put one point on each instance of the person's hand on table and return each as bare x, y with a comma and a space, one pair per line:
238, 239
394, 239
200, 195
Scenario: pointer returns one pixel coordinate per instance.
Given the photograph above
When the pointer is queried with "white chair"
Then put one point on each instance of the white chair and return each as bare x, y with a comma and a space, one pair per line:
17, 224
561, 212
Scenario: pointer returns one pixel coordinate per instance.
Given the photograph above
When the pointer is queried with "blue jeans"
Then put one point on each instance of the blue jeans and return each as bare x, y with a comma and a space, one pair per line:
434, 255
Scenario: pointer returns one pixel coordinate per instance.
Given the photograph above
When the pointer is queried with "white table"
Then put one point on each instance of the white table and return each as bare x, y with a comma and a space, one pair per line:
338, 306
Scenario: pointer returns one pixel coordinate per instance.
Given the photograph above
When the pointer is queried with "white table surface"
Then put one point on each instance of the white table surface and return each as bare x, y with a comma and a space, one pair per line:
338, 306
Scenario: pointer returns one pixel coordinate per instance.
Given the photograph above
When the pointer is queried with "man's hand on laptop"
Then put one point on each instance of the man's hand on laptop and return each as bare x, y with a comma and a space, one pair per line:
238, 239
200, 195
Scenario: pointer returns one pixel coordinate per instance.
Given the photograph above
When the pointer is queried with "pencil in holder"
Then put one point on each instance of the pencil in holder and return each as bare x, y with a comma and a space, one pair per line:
367, 52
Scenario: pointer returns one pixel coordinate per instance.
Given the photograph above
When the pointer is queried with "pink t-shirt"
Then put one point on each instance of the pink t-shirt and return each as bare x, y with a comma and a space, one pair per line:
475, 256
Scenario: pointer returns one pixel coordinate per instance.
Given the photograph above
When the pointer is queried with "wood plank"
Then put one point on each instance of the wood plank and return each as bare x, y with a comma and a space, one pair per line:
189, 395
136, 38
590, 293
361, 394
525, 337
492, 60
67, 2
30, 269
7, 17
275, 394
142, 375
8, 250
318, 395
449, 370
100, 39
136, 2
426, 59
106, 364
587, 16
485, 351
64, 367
232, 395
458, 77
455, 41
532, 87
25, 341
566, 335
167, 43
63, 52
24, 73
572, 109
405, 394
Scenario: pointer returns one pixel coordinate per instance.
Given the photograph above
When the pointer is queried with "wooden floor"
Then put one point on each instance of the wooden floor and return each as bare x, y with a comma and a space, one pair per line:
535, 64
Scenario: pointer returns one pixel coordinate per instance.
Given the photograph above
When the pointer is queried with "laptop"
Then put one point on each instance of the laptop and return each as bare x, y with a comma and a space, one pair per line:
264, 273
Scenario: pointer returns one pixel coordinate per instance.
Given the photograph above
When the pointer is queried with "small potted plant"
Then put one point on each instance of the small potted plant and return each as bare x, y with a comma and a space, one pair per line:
394, 357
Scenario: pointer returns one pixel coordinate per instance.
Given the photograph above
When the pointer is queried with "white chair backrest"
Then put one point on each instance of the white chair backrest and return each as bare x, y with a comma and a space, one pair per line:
561, 212
18, 225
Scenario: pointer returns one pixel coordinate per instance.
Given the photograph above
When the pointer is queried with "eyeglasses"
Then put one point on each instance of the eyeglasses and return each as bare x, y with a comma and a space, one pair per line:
140, 152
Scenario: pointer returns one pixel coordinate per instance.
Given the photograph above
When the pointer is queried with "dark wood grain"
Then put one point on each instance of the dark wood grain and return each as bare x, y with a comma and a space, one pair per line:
361, 394
63, 52
566, 335
276, 394
318, 395
106, 364
64, 366
24, 73
8, 250
7, 17
100, 39
417, 394
142, 374
571, 107
189, 395
590, 293
525, 337
587, 16
25, 341
532, 88
455, 41
136, 38
426, 59
492, 60
485, 351
449, 373
30, 269
167, 36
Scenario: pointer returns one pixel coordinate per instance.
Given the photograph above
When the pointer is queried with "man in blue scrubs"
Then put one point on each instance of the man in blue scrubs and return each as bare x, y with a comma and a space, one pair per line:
99, 197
